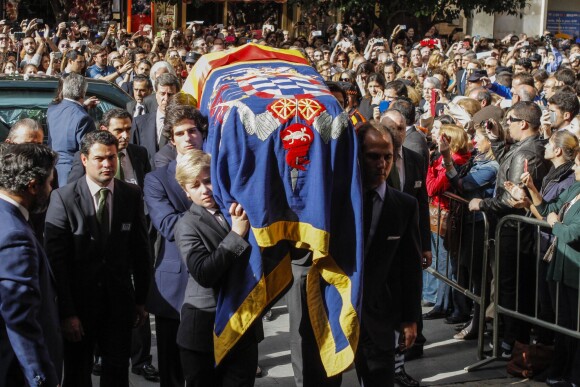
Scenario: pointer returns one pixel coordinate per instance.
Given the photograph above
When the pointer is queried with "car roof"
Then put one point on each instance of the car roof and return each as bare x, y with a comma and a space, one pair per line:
97, 87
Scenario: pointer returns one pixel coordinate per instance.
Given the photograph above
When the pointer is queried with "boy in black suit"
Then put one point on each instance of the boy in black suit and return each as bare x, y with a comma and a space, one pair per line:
209, 248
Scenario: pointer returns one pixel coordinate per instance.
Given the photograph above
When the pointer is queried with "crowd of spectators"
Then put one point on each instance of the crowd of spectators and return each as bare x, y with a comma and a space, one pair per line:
495, 121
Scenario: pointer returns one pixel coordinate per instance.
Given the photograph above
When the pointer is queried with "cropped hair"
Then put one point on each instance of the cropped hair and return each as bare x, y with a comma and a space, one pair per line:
190, 165
22, 163
406, 108
74, 87
102, 137
23, 123
528, 111
567, 102
117, 113
167, 80
399, 87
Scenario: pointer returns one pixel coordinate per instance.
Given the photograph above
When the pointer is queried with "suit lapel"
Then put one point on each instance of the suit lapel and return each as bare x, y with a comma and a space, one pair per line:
117, 207
175, 187
136, 164
84, 200
209, 220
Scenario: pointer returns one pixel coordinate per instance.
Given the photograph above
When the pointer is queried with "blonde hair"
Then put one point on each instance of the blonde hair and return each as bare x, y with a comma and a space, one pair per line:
191, 164
459, 140
470, 105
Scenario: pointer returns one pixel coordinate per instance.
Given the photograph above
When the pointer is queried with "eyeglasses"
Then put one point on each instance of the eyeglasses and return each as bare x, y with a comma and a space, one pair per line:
509, 120
345, 79
488, 65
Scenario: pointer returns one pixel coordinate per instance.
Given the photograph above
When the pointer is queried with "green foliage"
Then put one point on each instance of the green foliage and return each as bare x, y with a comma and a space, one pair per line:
435, 9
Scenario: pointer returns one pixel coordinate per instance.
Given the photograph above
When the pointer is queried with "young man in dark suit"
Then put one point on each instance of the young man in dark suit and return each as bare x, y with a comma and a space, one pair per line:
210, 248
147, 129
97, 242
134, 159
133, 165
30, 339
167, 202
392, 272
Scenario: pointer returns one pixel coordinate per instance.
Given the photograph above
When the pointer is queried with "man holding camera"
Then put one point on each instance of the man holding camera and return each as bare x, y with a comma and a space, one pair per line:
100, 70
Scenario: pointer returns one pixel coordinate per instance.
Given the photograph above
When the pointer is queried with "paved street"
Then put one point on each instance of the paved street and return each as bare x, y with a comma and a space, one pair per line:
442, 364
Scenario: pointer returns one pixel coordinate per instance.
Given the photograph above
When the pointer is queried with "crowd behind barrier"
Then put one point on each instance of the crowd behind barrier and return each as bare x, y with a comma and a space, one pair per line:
481, 132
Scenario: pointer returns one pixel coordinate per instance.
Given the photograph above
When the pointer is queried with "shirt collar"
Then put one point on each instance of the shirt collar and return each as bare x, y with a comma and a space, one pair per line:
381, 190
20, 207
94, 188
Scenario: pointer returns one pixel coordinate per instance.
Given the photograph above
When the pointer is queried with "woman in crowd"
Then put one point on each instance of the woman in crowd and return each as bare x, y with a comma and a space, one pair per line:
563, 215
560, 151
475, 180
375, 85
455, 139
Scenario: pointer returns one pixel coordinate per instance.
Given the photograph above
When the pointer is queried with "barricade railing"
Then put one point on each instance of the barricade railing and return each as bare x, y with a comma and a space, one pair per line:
531, 317
472, 227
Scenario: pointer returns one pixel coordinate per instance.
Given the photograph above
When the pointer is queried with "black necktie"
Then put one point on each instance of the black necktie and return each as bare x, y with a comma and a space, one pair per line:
221, 220
368, 205
103, 212
139, 110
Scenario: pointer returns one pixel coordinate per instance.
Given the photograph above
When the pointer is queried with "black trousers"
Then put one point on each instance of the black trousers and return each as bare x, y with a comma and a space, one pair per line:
375, 366
304, 353
567, 349
238, 369
517, 285
170, 372
110, 329
141, 345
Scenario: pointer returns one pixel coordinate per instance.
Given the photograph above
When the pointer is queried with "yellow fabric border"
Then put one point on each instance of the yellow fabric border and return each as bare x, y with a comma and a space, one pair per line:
306, 236
267, 289
303, 233
334, 363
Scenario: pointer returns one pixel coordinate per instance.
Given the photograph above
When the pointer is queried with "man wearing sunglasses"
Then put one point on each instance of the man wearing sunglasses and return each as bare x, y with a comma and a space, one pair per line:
526, 154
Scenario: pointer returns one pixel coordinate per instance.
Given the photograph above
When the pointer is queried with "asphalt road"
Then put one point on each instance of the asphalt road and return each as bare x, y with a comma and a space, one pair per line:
442, 364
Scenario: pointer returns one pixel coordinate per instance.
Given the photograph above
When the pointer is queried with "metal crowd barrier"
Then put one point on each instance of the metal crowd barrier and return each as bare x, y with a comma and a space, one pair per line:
499, 309
455, 283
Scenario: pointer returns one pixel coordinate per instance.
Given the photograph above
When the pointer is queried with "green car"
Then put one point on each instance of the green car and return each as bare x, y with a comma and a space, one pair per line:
29, 97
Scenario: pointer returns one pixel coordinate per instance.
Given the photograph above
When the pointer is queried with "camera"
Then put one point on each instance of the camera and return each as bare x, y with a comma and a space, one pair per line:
39, 21
19, 35
58, 55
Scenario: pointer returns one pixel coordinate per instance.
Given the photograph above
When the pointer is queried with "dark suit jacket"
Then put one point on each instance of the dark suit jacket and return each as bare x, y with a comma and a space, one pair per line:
417, 142
149, 103
208, 251
139, 160
67, 123
165, 155
86, 266
415, 186
166, 202
30, 338
392, 273
461, 82
144, 133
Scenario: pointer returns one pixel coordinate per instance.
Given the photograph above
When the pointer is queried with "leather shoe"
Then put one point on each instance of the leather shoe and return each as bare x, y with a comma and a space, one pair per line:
148, 371
402, 379
456, 319
415, 352
434, 314
465, 334
559, 383
503, 355
97, 367
269, 316
427, 304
